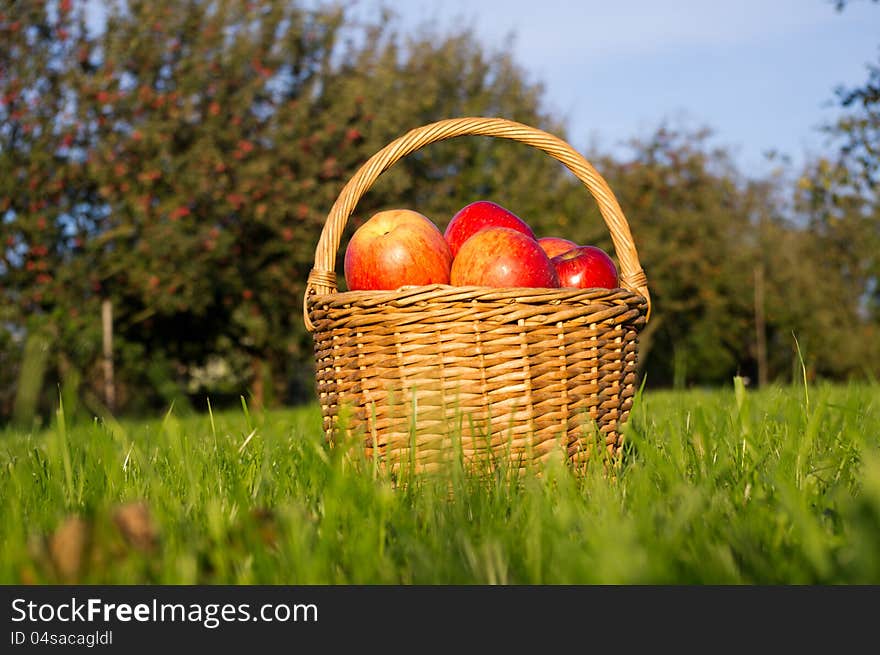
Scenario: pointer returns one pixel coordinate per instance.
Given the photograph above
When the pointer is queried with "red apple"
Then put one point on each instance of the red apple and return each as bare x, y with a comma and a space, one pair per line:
478, 215
502, 257
586, 267
395, 248
556, 245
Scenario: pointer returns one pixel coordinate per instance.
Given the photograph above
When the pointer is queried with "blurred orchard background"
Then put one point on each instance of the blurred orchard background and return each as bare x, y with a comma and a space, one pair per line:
166, 168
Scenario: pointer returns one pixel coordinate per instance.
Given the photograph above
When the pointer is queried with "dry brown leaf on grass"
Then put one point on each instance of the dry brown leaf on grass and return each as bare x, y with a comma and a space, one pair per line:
136, 525
78, 544
68, 547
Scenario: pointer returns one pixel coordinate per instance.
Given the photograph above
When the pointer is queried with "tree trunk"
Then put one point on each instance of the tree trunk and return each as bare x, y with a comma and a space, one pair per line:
107, 330
258, 392
760, 328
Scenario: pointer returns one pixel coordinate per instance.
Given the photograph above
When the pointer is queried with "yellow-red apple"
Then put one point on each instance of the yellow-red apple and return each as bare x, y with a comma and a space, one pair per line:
556, 245
395, 248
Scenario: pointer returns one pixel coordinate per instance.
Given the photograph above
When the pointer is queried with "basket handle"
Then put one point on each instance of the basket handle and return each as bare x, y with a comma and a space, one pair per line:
322, 279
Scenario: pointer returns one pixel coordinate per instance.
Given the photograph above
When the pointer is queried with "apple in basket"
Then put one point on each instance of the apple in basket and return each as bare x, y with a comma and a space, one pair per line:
395, 248
478, 215
556, 245
585, 267
502, 257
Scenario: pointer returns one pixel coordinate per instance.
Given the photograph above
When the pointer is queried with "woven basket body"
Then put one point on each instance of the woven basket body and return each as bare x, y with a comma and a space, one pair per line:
427, 374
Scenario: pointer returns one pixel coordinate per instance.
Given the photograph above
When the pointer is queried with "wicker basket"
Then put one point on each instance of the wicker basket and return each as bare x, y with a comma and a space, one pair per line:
436, 372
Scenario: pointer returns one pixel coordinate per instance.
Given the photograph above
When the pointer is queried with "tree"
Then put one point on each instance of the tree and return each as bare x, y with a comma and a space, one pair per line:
844, 258
45, 193
840, 196
693, 224
212, 185
203, 144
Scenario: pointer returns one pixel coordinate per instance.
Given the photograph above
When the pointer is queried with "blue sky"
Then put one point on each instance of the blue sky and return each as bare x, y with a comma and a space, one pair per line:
761, 74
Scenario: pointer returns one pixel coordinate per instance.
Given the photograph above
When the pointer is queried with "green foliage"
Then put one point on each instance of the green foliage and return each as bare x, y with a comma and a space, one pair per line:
703, 230
181, 160
693, 226
44, 188
839, 289
779, 486
858, 130
841, 197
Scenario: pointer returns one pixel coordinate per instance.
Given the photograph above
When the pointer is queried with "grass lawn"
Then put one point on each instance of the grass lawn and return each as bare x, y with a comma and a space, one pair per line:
778, 486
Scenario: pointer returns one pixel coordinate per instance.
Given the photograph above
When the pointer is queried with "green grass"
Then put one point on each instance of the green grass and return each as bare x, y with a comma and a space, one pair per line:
779, 486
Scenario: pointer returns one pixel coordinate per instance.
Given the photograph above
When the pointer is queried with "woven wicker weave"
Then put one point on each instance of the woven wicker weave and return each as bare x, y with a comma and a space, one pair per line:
434, 372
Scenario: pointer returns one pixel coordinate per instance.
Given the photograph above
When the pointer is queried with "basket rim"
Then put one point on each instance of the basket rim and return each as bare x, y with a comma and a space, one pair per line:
443, 293
441, 303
